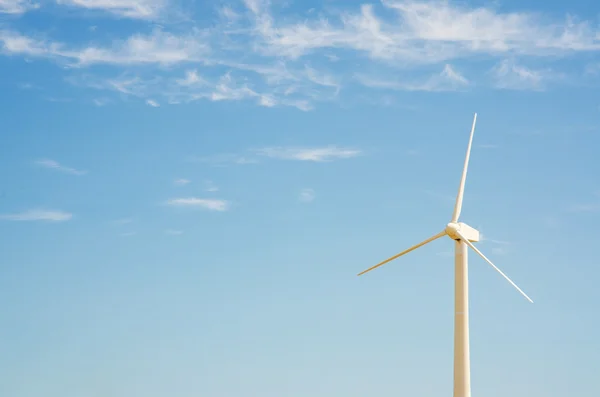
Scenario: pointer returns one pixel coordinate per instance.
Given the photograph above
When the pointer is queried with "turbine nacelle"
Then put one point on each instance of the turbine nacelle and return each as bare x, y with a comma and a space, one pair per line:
455, 229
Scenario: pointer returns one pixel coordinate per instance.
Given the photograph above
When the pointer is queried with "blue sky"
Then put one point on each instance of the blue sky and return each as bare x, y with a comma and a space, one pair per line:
189, 189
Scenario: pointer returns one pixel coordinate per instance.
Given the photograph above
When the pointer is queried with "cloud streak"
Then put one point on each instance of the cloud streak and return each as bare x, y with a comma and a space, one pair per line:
316, 154
55, 165
447, 80
38, 215
194, 202
16, 6
307, 195
135, 9
512, 76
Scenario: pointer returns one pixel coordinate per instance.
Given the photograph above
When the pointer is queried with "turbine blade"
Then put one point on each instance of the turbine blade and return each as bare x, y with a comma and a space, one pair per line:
404, 252
470, 244
461, 187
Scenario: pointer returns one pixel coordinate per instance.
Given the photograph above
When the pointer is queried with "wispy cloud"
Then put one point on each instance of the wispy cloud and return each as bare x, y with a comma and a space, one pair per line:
423, 32
153, 103
181, 182
194, 202
307, 195
499, 247
101, 101
38, 215
191, 78
55, 165
136, 9
158, 48
488, 146
254, 52
317, 154
509, 75
447, 80
16, 6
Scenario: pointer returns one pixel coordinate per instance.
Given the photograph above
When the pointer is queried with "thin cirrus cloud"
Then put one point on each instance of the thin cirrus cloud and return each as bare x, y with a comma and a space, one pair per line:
509, 75
153, 103
413, 45
316, 154
448, 79
181, 182
38, 215
55, 165
16, 6
135, 9
194, 202
307, 195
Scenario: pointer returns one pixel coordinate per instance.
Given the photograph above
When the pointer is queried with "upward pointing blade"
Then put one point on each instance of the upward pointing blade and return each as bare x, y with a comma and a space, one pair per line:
461, 188
440, 234
463, 238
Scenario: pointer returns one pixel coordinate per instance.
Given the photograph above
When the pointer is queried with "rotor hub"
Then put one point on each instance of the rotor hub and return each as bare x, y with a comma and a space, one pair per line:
451, 229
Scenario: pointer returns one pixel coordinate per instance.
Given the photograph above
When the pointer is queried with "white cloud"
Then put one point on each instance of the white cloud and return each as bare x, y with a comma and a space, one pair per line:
181, 182
509, 75
318, 154
177, 90
47, 163
153, 103
321, 78
209, 204
307, 195
254, 52
191, 78
229, 15
137, 9
159, 47
424, 32
488, 146
228, 89
38, 215
101, 101
447, 80
16, 6
173, 232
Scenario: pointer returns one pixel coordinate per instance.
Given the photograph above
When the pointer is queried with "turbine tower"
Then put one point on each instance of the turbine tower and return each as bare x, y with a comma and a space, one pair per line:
464, 236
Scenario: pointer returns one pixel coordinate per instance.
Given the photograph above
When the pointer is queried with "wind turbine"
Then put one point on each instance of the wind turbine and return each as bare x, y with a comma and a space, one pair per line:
464, 236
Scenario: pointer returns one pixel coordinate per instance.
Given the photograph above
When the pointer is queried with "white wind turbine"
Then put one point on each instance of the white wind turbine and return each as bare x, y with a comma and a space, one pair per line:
464, 236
